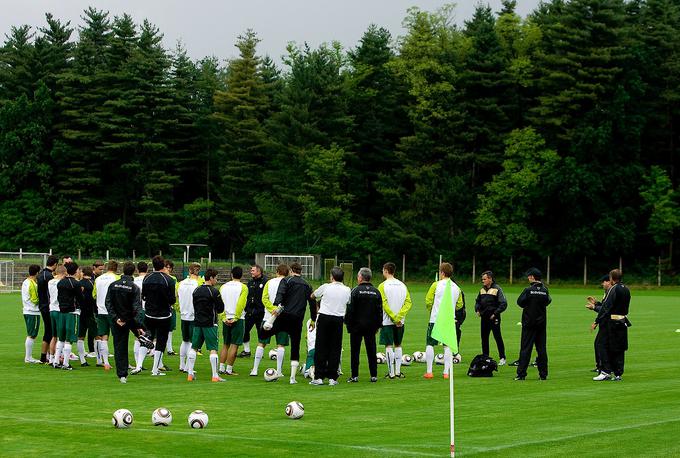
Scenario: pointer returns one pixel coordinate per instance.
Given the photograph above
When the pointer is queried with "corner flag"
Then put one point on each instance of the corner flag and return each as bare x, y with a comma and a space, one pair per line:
444, 329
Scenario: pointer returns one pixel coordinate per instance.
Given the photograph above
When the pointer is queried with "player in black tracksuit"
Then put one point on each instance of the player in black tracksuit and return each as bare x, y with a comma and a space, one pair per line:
489, 305
613, 318
254, 307
363, 318
43, 278
124, 306
534, 300
158, 293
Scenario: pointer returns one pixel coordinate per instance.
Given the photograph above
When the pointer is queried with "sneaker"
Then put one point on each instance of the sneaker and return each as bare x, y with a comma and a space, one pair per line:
66, 368
217, 379
136, 371
428, 375
85, 364
123, 380
316, 381
244, 354
520, 378
253, 373
172, 353
158, 374
446, 376
107, 367
353, 380
191, 378
602, 377
374, 379
332, 382
144, 341
514, 363
617, 379
501, 362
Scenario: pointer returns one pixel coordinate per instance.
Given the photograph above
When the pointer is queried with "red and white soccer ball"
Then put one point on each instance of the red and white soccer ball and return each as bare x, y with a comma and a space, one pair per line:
122, 418
295, 410
198, 419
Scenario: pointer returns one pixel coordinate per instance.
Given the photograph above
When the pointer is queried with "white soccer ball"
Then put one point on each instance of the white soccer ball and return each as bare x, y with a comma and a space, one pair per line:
406, 360
198, 419
419, 356
161, 417
457, 358
295, 410
272, 354
380, 357
270, 375
122, 418
439, 359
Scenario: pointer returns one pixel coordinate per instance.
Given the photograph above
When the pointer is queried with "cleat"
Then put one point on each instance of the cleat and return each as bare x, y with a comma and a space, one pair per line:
231, 373
279, 374
446, 376
172, 353
293, 381
222, 371
199, 353
353, 380
144, 341
217, 379
317, 382
56, 366
85, 364
73, 357
191, 378
596, 370
332, 382
428, 375
603, 377
374, 379
400, 375
32, 361
253, 373
515, 363
123, 380
164, 369
501, 362
99, 365
520, 378
107, 367
66, 368
136, 371
617, 379
158, 374
244, 354
91, 355
389, 376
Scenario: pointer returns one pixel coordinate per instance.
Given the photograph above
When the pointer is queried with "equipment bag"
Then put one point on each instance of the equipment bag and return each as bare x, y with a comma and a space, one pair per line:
482, 366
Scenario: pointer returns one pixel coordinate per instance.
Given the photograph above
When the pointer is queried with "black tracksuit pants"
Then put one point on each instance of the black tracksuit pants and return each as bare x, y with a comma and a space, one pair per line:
292, 325
487, 327
355, 338
159, 329
599, 348
254, 319
533, 335
328, 346
120, 345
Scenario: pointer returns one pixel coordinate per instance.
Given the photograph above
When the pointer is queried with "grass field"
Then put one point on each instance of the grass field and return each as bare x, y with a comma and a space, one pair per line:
48, 412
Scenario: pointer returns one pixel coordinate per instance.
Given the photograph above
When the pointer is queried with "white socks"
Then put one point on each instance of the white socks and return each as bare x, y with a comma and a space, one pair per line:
183, 351
135, 348
293, 370
139, 359
429, 357
57, 353
213, 364
156, 361
230, 369
168, 346
280, 354
259, 353
29, 349
246, 346
191, 360
104, 346
98, 350
389, 353
448, 357
223, 367
398, 353
81, 351
67, 353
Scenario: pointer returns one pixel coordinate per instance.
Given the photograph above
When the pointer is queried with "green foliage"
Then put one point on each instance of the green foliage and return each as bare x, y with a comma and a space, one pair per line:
663, 202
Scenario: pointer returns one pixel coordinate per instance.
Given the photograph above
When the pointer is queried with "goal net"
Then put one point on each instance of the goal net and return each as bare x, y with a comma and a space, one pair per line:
7, 283
271, 261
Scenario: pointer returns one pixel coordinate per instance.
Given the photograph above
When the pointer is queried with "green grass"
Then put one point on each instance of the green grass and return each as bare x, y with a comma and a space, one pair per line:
48, 412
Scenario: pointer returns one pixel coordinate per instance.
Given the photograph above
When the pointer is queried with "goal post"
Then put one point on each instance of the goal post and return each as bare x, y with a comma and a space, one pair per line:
309, 262
7, 283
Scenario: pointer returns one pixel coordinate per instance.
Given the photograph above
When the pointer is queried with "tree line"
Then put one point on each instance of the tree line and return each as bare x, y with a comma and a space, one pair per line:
555, 134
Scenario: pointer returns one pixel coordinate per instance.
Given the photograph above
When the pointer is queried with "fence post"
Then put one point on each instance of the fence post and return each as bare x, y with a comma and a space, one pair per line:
369, 261
474, 269
50, 251
134, 256
658, 273
621, 264
233, 259
21, 253
585, 270
78, 254
548, 273
511, 269
209, 257
403, 267
107, 255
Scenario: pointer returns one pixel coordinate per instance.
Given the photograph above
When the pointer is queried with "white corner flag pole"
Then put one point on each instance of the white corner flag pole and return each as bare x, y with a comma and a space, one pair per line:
453, 448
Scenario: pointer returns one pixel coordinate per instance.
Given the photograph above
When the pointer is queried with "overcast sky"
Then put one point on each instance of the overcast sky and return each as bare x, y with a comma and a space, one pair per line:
210, 27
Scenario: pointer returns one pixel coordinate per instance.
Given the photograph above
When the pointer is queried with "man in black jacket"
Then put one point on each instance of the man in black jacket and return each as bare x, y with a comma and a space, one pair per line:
43, 278
254, 307
124, 306
292, 298
158, 293
613, 317
600, 338
363, 319
489, 305
534, 300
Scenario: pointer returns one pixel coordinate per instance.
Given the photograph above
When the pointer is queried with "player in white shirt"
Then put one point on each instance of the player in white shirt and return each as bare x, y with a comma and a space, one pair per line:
139, 350
334, 298
234, 295
59, 273
396, 304
432, 301
101, 287
268, 298
29, 301
185, 294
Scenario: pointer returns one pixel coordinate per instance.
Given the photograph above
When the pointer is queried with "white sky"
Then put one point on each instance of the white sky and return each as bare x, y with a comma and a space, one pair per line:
210, 27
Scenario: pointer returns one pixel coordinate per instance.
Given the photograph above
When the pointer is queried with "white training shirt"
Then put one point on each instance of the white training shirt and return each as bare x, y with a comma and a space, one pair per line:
439, 294
138, 281
185, 293
272, 288
231, 292
101, 285
334, 298
52, 293
311, 336
395, 292
29, 307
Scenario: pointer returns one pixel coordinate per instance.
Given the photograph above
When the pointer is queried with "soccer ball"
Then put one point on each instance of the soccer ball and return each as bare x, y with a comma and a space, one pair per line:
406, 360
272, 354
270, 375
295, 410
419, 356
161, 417
122, 418
457, 358
198, 419
380, 357
439, 359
